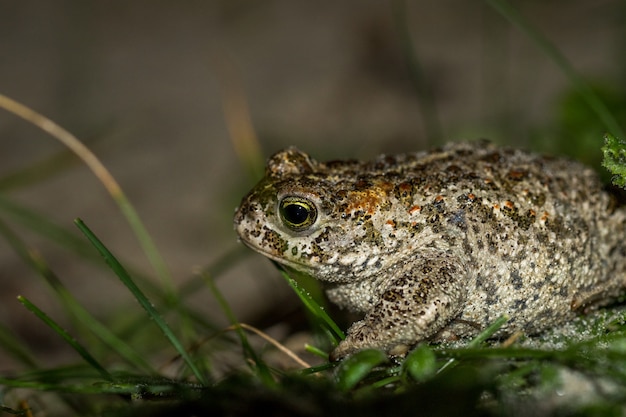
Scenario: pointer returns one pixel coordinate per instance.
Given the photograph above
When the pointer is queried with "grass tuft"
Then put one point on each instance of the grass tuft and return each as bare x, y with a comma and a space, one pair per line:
101, 172
66, 336
142, 299
259, 365
321, 318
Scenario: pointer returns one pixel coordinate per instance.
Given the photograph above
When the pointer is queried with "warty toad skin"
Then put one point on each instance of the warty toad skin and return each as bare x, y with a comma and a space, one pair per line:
437, 245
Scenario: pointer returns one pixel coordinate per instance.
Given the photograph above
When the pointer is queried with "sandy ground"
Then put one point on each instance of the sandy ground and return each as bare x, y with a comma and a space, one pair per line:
144, 82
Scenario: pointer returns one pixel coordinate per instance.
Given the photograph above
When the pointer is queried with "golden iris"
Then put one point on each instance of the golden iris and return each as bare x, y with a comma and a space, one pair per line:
297, 213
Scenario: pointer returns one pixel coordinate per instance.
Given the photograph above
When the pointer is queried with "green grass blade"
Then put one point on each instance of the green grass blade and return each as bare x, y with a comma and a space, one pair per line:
190, 287
38, 171
66, 336
103, 175
489, 331
232, 256
262, 368
420, 363
356, 367
141, 298
44, 227
75, 310
426, 99
40, 225
15, 348
482, 336
592, 99
85, 381
14, 412
315, 309
145, 240
72, 372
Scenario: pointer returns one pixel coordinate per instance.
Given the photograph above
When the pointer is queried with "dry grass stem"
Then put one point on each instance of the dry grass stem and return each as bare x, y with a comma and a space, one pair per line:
100, 171
67, 139
273, 341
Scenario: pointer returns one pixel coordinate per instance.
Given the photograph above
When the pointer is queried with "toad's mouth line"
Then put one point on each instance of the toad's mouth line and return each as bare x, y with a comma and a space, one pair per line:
301, 266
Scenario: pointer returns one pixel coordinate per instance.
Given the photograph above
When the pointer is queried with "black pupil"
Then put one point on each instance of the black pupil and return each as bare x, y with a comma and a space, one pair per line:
295, 213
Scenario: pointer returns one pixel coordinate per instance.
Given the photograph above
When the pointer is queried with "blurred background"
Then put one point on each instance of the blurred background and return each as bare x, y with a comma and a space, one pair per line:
181, 99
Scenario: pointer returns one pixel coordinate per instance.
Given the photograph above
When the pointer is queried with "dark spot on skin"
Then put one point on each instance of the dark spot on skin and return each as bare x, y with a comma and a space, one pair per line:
362, 185
546, 314
538, 284
402, 282
454, 169
420, 295
447, 274
526, 220
479, 281
492, 245
542, 238
517, 174
273, 241
493, 157
439, 204
557, 225
467, 248
404, 193
516, 280
466, 199
392, 295
492, 299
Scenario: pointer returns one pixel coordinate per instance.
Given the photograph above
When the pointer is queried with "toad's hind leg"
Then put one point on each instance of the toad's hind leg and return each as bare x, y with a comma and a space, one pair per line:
600, 295
412, 307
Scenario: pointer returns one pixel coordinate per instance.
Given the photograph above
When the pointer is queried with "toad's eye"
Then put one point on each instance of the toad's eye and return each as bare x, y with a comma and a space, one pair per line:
297, 213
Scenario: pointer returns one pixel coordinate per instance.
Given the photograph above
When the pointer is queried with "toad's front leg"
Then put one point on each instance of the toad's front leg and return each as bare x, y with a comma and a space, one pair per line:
414, 306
